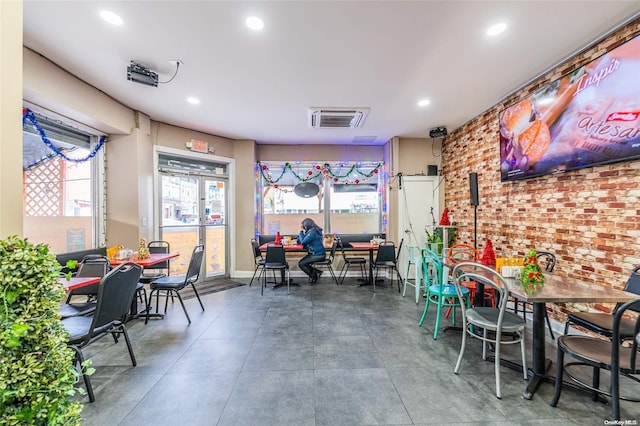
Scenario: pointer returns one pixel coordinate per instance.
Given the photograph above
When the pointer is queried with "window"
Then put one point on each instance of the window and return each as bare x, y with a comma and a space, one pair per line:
63, 175
340, 197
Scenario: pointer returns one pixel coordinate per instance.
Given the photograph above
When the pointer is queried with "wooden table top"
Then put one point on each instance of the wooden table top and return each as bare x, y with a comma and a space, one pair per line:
290, 247
364, 246
566, 289
77, 282
150, 261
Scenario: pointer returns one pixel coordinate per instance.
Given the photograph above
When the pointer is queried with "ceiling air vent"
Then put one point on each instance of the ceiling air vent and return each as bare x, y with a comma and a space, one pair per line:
337, 118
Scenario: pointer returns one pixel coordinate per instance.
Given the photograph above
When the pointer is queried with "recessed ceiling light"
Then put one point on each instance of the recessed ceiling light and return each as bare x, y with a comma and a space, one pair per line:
111, 17
424, 102
255, 23
496, 29
194, 101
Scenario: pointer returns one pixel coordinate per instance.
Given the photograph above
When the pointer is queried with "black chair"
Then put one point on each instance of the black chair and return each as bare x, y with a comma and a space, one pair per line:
172, 284
154, 272
348, 261
547, 262
115, 292
599, 354
258, 259
387, 259
158, 270
275, 260
89, 266
328, 261
602, 323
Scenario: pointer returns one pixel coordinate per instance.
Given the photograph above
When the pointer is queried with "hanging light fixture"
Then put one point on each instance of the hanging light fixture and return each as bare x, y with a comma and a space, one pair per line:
306, 189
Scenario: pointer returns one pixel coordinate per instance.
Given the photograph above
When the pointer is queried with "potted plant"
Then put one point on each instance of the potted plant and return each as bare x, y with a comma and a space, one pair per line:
37, 374
434, 241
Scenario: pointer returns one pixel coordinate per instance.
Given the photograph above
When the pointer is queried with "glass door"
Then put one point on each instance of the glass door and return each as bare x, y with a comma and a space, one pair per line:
192, 212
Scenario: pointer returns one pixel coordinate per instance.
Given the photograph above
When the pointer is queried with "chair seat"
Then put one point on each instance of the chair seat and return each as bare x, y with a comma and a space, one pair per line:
447, 290
79, 327
168, 282
594, 350
68, 310
146, 279
276, 266
602, 323
486, 317
355, 260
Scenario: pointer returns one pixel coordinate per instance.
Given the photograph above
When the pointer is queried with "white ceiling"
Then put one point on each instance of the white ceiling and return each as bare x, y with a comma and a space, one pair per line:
384, 55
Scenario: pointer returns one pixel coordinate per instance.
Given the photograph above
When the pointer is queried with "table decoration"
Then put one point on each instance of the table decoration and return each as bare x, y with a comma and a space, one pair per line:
531, 276
489, 255
143, 250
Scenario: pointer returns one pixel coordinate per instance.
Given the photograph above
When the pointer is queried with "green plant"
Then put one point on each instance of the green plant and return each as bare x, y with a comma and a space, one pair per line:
452, 235
37, 375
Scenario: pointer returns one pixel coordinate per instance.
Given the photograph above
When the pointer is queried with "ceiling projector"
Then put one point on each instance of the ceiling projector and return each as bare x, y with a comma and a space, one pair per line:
438, 132
141, 74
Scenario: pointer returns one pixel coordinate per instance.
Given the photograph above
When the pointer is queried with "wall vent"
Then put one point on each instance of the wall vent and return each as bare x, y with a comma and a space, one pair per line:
337, 118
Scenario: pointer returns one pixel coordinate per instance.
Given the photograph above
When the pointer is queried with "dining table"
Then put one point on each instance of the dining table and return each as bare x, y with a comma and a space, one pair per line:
153, 259
556, 289
371, 248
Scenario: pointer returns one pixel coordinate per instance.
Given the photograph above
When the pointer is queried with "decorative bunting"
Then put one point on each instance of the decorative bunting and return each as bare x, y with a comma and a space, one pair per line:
27, 114
354, 175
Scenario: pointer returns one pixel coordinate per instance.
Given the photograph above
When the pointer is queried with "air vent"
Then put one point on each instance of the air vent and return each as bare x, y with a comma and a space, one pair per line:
337, 118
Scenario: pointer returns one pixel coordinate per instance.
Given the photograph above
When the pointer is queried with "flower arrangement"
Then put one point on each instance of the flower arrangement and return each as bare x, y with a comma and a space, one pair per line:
531, 275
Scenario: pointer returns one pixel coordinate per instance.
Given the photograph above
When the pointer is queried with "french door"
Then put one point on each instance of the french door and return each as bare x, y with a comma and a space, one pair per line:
192, 212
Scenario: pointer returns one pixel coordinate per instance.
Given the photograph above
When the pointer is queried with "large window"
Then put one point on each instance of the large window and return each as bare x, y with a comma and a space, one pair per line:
63, 175
340, 197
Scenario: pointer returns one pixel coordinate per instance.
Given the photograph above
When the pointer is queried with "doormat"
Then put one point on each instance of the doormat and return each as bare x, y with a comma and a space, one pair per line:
208, 287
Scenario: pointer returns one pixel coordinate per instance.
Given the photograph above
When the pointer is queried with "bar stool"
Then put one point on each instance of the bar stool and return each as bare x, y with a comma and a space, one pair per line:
412, 260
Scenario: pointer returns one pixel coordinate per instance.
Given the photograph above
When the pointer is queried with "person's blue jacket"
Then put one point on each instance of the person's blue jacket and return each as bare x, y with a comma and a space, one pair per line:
312, 241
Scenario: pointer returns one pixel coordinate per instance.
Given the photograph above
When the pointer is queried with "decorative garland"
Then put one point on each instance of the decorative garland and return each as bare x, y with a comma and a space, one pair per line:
316, 171
27, 114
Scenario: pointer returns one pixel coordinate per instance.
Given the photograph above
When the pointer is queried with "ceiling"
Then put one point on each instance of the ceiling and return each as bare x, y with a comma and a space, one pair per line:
258, 85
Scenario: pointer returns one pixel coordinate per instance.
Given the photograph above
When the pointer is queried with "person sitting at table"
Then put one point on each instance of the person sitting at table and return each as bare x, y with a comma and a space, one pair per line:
311, 237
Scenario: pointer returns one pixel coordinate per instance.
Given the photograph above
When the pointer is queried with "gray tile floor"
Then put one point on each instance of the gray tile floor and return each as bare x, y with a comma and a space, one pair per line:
324, 355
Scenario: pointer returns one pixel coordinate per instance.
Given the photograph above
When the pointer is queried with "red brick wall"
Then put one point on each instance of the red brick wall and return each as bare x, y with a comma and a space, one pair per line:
590, 218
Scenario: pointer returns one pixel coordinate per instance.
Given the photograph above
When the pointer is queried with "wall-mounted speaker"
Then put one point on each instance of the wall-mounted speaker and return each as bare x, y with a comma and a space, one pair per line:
473, 189
432, 170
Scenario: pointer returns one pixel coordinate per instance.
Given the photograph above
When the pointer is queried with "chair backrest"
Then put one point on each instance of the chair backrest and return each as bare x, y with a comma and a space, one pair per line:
255, 247
546, 260
386, 252
91, 266
616, 363
115, 293
432, 268
160, 247
632, 286
332, 252
462, 253
398, 251
275, 256
195, 265
481, 274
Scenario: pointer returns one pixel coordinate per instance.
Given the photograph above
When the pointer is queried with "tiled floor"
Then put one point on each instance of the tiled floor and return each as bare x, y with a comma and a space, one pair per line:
324, 355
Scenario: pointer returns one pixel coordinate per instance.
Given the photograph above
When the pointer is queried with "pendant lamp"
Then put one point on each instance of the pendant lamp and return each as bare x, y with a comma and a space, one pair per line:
306, 189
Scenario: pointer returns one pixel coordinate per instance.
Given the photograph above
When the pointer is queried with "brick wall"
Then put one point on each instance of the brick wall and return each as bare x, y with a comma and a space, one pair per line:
590, 218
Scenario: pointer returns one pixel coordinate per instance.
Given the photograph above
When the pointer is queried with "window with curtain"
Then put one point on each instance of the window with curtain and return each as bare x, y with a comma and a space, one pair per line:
341, 197
63, 182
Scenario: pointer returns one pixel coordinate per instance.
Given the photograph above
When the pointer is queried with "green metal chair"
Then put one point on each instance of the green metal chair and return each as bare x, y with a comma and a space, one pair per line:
438, 289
